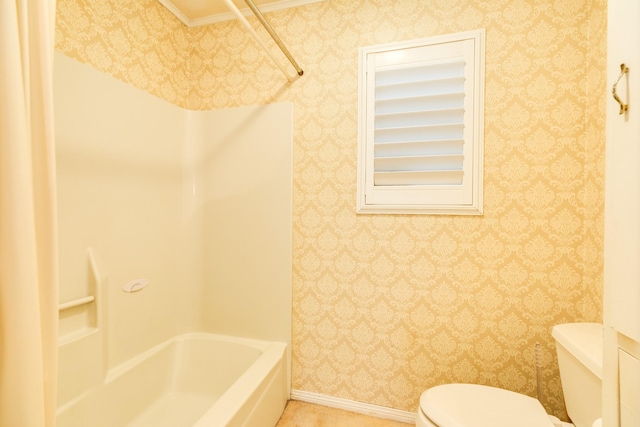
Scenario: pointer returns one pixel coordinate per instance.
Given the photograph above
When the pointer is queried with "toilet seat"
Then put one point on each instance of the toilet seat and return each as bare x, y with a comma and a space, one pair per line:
473, 405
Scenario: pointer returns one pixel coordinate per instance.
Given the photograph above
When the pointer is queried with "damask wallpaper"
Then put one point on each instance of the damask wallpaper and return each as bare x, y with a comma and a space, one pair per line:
385, 306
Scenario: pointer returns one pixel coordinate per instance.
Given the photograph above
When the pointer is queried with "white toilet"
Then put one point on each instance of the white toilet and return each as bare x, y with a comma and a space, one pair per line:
579, 349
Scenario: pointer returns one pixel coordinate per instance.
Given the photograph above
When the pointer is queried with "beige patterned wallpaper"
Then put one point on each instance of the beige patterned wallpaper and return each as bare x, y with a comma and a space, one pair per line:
388, 305
138, 42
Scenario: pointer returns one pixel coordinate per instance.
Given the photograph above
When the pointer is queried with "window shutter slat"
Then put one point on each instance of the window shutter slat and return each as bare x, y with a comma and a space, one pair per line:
412, 148
419, 163
434, 70
414, 133
422, 88
421, 118
420, 103
402, 178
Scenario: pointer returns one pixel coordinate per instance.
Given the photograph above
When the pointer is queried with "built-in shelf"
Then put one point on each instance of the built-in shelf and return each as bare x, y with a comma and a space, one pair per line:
194, 13
76, 302
81, 316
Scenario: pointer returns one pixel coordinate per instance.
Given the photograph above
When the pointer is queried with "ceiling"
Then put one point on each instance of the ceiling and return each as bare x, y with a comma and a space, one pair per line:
202, 12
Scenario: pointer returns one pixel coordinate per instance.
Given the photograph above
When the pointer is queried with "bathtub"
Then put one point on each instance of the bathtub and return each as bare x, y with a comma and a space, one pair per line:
198, 380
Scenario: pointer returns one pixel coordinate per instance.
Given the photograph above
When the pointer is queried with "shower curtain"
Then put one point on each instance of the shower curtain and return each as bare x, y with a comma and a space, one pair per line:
28, 254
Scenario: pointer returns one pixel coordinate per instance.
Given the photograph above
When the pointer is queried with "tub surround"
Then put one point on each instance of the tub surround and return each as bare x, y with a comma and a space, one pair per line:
135, 185
386, 306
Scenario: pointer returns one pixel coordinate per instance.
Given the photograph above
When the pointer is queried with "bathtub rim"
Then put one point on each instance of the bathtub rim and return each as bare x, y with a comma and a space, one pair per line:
127, 365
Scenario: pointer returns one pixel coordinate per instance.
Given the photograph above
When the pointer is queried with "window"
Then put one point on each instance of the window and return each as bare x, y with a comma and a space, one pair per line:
420, 142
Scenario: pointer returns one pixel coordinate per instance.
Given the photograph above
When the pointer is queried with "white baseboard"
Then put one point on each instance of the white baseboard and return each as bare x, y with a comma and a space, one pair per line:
353, 406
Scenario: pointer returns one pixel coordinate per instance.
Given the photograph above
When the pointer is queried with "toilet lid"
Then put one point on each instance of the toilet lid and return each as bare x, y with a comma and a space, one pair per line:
473, 405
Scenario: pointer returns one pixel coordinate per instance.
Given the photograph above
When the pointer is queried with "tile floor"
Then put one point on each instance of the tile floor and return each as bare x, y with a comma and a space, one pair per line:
303, 414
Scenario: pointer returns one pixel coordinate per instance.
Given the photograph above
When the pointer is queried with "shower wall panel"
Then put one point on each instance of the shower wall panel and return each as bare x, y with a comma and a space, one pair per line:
247, 181
120, 154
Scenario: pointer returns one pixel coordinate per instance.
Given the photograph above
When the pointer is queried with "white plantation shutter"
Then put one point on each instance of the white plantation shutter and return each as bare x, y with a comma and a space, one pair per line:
420, 142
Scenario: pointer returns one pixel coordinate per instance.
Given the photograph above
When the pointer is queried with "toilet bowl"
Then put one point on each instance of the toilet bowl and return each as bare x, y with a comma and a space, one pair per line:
579, 349
473, 405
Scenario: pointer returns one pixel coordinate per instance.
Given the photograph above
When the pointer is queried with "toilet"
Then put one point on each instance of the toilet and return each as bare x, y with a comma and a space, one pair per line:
579, 350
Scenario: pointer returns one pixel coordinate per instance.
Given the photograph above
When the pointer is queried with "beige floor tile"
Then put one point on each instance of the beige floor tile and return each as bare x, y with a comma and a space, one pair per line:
303, 414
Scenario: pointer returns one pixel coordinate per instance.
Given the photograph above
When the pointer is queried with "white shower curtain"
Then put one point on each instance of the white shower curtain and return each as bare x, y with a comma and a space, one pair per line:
28, 254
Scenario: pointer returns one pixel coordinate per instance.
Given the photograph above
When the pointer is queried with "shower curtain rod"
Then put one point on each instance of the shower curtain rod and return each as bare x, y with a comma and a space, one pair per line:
271, 32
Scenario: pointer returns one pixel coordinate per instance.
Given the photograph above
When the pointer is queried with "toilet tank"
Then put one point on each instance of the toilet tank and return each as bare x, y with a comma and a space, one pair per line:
579, 349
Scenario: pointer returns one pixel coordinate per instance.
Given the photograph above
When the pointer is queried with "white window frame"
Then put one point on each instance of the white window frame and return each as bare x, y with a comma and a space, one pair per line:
459, 198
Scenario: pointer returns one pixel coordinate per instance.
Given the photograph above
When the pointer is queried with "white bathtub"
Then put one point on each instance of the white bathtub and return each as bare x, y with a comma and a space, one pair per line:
199, 380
